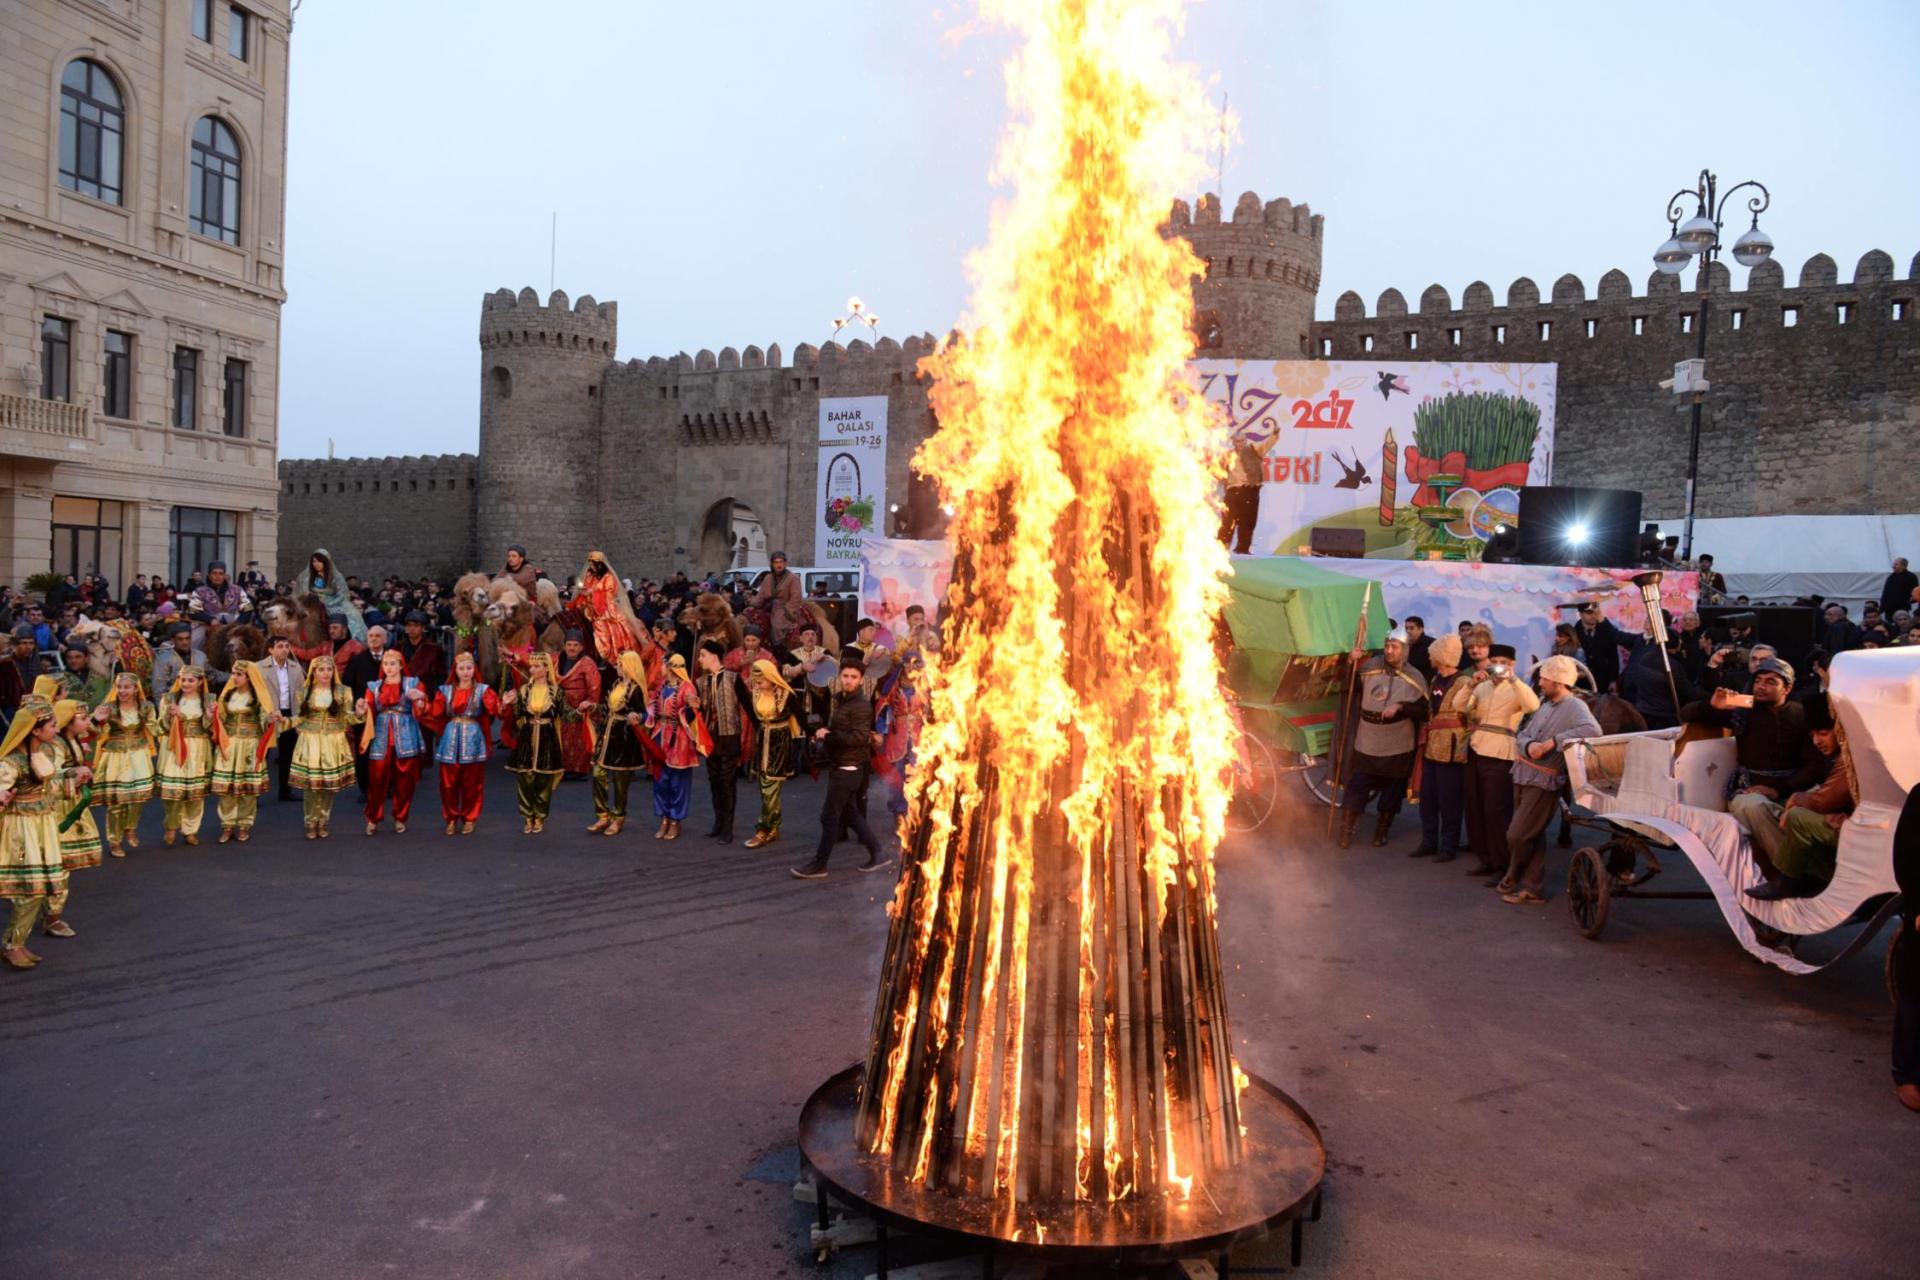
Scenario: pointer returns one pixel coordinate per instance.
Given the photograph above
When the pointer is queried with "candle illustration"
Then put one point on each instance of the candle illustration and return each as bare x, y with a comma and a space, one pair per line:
1389, 469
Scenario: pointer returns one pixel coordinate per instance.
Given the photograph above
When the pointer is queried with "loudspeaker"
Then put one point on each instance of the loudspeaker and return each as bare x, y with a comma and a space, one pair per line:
1598, 527
1793, 630
1347, 544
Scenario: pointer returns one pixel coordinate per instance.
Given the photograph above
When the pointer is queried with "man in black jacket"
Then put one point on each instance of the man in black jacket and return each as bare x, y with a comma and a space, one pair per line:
1841, 633
1601, 641
1896, 593
849, 738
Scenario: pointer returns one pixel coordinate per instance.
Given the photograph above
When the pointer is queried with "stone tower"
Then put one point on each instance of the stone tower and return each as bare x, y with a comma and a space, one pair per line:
540, 375
1263, 270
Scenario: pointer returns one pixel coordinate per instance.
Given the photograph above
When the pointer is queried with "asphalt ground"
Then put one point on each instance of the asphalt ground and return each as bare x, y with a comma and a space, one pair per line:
568, 1056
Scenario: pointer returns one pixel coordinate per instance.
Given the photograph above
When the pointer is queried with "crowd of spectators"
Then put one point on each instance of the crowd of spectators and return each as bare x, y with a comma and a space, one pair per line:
175, 617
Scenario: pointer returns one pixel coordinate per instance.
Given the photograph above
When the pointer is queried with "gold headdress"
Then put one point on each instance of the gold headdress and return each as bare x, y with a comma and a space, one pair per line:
33, 710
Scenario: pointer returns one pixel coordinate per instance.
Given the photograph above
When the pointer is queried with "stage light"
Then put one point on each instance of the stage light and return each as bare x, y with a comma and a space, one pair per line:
1577, 534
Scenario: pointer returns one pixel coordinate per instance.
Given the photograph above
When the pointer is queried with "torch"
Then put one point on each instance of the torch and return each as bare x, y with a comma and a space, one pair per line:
1649, 584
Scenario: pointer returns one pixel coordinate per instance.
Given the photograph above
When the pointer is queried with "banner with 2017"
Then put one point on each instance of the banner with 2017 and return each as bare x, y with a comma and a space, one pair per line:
1425, 458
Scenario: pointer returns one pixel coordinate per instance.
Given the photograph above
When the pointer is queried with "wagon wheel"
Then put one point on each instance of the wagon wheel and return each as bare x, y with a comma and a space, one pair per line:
1256, 785
1589, 891
1316, 772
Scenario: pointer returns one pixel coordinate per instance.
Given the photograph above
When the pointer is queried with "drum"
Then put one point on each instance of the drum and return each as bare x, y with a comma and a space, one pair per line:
879, 662
821, 677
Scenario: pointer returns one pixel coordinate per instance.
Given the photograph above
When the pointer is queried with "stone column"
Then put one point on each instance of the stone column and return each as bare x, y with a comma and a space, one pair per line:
26, 524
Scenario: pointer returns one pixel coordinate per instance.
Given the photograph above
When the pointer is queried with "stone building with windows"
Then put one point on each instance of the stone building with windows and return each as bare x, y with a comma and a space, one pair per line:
141, 250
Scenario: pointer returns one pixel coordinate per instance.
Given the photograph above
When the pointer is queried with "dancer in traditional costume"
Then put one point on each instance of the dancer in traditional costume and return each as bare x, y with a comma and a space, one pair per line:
461, 714
580, 690
80, 840
186, 755
774, 708
621, 751
246, 721
673, 721
602, 598
123, 759
325, 580
322, 754
537, 708
391, 738
34, 792
723, 698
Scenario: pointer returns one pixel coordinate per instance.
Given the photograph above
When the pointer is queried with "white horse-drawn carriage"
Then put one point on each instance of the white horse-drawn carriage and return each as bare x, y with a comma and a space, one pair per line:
1657, 790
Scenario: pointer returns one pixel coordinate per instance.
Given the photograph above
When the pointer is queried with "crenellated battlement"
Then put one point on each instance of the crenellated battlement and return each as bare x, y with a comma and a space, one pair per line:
884, 355
411, 474
1261, 273
1766, 302
508, 319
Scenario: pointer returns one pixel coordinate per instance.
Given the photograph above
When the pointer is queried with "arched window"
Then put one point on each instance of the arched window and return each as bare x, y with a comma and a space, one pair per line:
92, 127
215, 193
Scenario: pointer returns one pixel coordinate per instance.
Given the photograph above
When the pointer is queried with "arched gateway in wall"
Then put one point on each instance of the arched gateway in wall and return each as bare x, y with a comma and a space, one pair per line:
730, 535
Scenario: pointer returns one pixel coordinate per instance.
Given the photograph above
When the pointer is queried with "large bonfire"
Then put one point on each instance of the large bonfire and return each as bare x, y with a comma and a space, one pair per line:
1051, 1025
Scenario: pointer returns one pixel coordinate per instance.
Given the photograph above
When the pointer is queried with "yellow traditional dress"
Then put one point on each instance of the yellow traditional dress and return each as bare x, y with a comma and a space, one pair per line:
30, 867
186, 761
123, 768
80, 843
322, 765
239, 758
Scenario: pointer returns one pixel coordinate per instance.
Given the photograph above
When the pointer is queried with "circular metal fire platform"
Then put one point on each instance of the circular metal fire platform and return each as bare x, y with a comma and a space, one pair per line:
1277, 1182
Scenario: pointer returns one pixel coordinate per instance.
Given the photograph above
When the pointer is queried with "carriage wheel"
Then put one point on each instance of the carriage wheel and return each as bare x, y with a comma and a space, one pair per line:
1256, 786
1318, 777
1589, 892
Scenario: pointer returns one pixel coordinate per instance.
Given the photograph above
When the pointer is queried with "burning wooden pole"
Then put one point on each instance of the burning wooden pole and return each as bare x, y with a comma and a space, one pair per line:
1051, 1025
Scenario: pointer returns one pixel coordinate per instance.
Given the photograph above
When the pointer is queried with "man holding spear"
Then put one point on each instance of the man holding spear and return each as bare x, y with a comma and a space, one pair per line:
1393, 700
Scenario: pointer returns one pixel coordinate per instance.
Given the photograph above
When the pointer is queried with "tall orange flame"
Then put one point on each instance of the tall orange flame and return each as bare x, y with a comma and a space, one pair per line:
1052, 1022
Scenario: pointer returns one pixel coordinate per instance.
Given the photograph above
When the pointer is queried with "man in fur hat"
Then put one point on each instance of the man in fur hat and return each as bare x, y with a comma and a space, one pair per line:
780, 595
1500, 701
1539, 771
1392, 702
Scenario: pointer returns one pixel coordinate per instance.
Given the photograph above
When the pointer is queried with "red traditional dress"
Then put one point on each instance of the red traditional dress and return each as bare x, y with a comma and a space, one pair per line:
579, 689
600, 599
460, 717
394, 749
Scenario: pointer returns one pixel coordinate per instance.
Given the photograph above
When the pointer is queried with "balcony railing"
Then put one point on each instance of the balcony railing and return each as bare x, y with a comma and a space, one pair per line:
44, 417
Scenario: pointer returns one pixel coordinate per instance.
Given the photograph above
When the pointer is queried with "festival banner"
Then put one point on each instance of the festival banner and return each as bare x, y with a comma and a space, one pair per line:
1521, 603
1426, 459
852, 488
898, 573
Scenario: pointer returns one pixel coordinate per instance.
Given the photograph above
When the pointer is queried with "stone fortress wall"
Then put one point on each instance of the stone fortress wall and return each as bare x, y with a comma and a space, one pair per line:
370, 513
1815, 406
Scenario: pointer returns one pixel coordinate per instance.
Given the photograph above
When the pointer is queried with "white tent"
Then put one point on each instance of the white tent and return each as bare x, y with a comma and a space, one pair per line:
1779, 558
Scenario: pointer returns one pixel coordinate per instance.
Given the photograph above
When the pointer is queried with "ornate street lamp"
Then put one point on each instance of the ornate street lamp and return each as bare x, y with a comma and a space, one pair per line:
857, 314
1699, 236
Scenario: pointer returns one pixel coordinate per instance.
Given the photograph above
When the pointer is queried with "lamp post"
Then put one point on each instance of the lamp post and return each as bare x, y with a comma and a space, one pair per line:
1699, 236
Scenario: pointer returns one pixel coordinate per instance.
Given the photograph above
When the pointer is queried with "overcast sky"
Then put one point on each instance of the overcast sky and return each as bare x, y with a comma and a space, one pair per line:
731, 172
